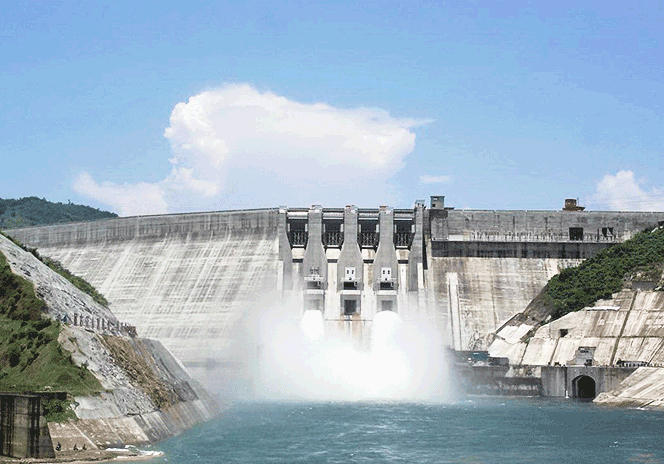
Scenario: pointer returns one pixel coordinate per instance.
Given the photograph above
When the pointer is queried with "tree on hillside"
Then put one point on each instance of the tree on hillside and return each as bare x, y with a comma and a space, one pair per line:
33, 211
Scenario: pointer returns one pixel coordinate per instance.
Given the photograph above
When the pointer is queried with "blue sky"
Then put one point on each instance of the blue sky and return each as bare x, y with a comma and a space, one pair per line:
152, 107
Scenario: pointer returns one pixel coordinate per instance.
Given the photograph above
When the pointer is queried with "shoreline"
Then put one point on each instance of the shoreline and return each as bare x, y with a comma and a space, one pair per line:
87, 457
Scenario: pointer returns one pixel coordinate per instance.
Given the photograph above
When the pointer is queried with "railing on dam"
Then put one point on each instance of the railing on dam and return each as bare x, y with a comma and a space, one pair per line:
481, 236
101, 325
516, 249
298, 238
403, 239
333, 238
368, 239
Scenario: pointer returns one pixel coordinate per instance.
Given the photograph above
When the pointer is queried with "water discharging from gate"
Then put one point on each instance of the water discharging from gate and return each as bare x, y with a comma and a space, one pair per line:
313, 360
313, 325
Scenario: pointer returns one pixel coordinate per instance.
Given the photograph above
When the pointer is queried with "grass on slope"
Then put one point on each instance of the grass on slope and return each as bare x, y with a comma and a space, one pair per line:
78, 282
17, 296
31, 358
598, 277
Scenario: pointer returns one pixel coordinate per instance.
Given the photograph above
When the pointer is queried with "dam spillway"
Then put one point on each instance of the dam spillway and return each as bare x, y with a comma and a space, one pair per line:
184, 279
188, 280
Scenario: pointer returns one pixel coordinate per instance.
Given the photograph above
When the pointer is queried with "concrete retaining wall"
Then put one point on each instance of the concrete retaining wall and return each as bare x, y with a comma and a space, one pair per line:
643, 389
138, 429
124, 413
627, 328
559, 381
23, 429
496, 380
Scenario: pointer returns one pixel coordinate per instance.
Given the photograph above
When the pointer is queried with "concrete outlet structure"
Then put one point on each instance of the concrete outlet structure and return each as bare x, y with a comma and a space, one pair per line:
23, 429
581, 381
351, 263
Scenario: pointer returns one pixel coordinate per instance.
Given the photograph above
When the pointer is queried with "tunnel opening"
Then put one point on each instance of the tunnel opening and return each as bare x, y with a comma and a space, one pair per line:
584, 387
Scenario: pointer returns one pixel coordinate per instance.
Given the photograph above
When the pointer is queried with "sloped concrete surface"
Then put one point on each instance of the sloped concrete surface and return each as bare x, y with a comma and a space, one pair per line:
184, 280
488, 292
62, 298
643, 389
187, 279
629, 327
124, 412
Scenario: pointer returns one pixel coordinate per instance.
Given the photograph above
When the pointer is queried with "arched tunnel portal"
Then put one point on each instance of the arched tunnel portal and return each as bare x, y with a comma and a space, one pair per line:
584, 386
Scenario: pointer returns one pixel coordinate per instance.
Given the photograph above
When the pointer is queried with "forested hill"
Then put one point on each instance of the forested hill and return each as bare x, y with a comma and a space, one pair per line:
640, 258
33, 211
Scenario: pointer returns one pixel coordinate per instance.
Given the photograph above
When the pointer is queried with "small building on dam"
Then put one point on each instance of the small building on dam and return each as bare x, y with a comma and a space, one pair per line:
188, 280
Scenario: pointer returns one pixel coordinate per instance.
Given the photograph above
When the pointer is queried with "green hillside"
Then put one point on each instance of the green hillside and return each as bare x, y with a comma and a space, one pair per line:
33, 211
601, 276
78, 282
31, 358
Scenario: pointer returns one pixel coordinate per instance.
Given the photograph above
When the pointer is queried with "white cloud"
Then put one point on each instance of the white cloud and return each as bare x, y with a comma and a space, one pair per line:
426, 179
127, 200
238, 147
623, 192
182, 179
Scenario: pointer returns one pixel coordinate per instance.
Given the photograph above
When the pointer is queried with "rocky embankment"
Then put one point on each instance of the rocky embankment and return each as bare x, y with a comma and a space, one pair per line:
624, 331
605, 314
146, 393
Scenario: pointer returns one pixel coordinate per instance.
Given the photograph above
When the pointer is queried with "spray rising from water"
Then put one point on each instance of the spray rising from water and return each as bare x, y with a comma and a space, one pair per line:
313, 325
311, 359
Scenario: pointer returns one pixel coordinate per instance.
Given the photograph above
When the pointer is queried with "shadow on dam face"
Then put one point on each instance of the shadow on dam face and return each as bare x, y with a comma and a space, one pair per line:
294, 355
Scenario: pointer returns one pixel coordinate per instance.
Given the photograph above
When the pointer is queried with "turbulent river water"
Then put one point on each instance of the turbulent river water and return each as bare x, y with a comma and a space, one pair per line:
471, 430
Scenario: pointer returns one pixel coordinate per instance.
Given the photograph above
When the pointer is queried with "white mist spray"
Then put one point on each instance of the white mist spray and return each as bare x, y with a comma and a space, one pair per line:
313, 325
308, 359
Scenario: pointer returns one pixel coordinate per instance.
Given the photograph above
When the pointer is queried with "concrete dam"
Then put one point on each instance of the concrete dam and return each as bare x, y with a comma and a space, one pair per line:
189, 280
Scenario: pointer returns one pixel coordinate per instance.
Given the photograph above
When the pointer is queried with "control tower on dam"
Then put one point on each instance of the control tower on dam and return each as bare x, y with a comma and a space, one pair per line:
189, 279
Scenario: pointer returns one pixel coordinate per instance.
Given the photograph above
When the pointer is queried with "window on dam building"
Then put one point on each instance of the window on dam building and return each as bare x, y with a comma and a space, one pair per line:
386, 280
314, 280
350, 280
313, 304
387, 305
607, 232
576, 233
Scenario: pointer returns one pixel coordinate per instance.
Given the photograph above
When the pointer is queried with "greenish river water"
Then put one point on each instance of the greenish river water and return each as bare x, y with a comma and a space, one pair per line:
477, 430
